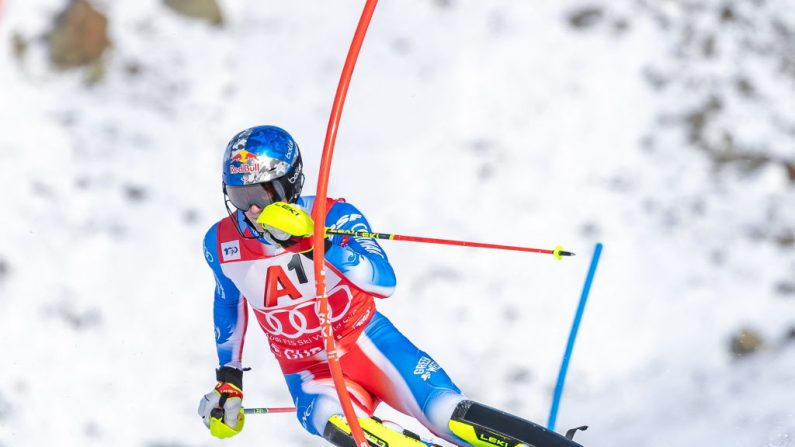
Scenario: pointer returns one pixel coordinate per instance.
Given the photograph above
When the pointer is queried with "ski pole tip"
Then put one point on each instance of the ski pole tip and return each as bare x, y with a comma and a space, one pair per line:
558, 253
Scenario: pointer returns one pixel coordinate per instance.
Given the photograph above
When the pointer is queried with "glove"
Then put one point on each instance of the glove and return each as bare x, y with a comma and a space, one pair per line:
221, 409
287, 225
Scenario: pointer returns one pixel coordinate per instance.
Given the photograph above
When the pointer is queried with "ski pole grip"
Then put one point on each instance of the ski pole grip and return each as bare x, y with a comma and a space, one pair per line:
218, 412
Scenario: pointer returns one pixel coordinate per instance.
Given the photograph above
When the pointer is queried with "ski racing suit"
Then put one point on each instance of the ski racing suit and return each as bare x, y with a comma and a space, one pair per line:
380, 364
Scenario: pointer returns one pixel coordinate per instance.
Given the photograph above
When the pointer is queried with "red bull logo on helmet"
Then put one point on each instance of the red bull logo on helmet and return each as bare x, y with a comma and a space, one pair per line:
244, 156
249, 163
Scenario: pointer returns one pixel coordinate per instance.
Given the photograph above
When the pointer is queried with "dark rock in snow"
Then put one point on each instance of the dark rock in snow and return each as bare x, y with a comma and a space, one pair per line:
585, 17
198, 9
785, 288
133, 68
790, 171
746, 341
20, 45
80, 36
135, 193
698, 119
727, 14
745, 87
4, 269
785, 238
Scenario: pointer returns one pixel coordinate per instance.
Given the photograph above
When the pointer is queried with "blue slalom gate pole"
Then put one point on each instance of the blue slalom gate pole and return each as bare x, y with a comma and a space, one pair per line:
553, 412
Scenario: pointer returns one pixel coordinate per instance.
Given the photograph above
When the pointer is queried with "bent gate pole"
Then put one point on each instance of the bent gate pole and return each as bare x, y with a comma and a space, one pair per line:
319, 215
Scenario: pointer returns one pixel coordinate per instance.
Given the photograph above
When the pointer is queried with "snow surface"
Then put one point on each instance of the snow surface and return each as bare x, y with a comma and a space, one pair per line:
489, 121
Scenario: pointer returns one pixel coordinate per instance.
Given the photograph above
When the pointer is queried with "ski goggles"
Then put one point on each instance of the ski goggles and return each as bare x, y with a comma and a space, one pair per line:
259, 194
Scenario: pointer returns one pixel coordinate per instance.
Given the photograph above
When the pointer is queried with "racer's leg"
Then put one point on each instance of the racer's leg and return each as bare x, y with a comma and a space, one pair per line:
392, 368
316, 400
385, 365
320, 413
409, 380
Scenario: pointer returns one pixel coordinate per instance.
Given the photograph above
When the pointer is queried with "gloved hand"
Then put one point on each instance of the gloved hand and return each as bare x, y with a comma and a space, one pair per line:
221, 409
287, 225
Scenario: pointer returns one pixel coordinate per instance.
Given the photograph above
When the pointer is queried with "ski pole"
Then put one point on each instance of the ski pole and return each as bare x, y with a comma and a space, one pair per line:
267, 410
557, 252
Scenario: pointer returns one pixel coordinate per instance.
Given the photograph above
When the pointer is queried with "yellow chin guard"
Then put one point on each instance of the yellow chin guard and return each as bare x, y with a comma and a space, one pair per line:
288, 218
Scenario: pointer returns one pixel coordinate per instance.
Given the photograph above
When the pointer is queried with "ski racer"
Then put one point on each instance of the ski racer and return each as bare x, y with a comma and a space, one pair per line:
261, 257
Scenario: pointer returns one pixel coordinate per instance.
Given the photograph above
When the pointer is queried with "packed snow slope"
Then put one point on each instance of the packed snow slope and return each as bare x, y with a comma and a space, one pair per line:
662, 129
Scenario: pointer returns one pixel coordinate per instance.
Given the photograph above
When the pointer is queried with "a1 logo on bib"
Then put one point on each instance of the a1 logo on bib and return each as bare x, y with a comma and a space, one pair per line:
230, 251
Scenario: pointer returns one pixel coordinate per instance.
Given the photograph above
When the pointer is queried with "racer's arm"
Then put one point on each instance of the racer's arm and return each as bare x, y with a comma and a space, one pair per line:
229, 308
361, 260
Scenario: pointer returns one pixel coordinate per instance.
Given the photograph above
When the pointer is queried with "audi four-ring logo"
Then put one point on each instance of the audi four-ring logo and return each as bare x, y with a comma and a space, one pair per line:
302, 319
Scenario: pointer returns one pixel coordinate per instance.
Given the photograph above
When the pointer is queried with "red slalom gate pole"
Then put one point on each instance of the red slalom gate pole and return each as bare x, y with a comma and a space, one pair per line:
319, 215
